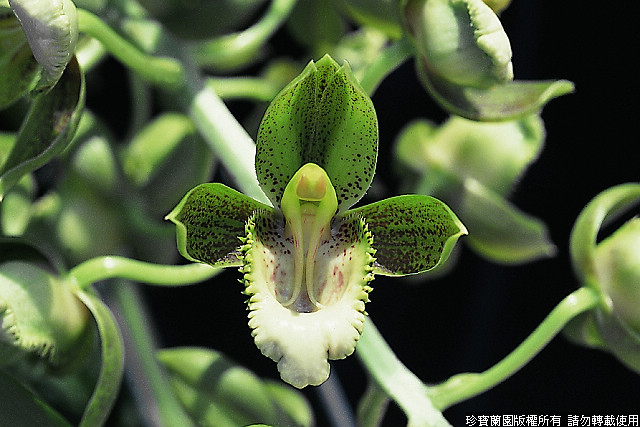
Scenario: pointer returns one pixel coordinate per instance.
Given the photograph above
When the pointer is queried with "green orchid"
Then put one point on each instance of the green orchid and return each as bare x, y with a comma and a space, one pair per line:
308, 259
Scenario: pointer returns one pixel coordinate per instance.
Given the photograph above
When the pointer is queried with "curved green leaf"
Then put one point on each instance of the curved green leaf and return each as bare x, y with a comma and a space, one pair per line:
499, 231
322, 117
411, 234
605, 206
210, 220
47, 129
110, 378
217, 392
500, 102
23, 408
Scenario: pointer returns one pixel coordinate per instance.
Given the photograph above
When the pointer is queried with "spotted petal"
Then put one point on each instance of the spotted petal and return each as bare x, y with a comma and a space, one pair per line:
323, 117
209, 221
411, 234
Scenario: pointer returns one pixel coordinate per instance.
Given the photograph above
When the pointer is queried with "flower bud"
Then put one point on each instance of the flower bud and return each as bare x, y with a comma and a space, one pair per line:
612, 268
40, 315
51, 28
617, 263
461, 41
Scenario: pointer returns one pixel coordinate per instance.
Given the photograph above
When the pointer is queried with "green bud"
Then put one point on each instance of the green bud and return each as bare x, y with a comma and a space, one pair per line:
474, 166
495, 154
612, 268
39, 314
461, 41
617, 262
51, 28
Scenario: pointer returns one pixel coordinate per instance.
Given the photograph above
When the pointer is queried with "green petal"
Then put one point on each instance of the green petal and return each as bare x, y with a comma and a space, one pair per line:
210, 221
216, 391
316, 24
494, 153
23, 408
383, 15
143, 155
500, 102
19, 71
411, 234
322, 117
499, 231
51, 28
112, 368
48, 127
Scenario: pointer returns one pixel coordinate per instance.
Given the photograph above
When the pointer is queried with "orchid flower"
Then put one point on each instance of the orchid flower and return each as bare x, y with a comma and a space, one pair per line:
308, 260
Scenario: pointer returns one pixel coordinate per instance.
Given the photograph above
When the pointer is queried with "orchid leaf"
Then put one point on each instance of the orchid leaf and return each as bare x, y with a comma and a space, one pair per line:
47, 129
504, 101
23, 408
210, 219
111, 371
216, 391
322, 117
19, 71
411, 234
500, 231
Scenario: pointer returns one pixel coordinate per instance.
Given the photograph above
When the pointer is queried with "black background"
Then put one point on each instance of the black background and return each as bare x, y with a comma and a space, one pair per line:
471, 318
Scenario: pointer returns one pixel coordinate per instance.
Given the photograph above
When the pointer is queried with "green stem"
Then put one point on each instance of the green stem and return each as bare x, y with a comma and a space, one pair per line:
106, 267
464, 386
153, 393
396, 380
227, 138
373, 406
157, 70
256, 88
238, 49
390, 59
